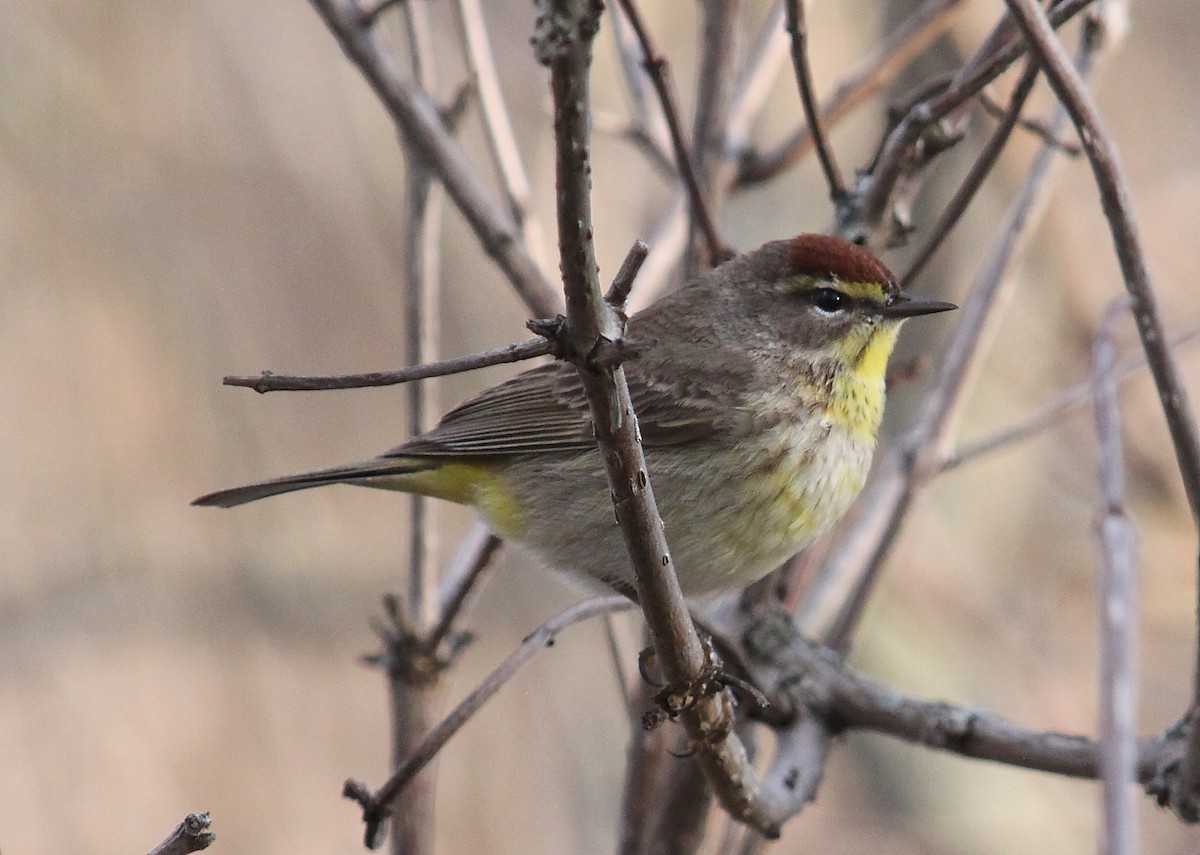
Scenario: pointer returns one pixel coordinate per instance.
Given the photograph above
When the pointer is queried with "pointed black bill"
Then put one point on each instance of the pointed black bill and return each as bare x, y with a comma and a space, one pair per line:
908, 306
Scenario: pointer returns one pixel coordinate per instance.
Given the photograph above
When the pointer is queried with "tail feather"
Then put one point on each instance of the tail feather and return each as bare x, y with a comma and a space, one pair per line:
353, 473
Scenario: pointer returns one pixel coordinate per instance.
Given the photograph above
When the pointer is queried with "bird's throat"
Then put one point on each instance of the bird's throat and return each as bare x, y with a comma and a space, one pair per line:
858, 389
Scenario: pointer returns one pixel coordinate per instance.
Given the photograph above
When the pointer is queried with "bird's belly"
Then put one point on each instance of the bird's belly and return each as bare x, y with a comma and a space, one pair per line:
731, 513
801, 480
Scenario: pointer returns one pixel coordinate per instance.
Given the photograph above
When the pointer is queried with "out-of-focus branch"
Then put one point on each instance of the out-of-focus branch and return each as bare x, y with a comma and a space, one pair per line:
191, 835
1114, 198
378, 806
656, 67
715, 78
907, 147
974, 179
270, 382
879, 69
415, 692
497, 127
1118, 604
423, 128
1065, 402
797, 27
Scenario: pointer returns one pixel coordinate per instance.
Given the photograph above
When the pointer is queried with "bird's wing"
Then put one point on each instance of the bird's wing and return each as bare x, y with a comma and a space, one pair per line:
545, 410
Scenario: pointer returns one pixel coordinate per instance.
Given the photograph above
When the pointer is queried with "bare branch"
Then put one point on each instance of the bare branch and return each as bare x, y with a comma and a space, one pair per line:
905, 150
498, 131
974, 179
656, 66
1114, 197
879, 69
1068, 400
377, 806
563, 43
270, 382
423, 128
1118, 604
413, 692
191, 835
475, 555
797, 27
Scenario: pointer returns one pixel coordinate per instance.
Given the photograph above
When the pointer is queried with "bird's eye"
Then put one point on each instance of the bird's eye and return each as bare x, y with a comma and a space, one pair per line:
829, 301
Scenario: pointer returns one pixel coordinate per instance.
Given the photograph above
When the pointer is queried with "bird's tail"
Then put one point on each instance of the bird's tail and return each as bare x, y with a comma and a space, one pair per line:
372, 473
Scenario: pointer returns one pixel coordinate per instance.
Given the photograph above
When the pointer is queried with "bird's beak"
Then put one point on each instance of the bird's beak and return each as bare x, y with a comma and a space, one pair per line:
908, 306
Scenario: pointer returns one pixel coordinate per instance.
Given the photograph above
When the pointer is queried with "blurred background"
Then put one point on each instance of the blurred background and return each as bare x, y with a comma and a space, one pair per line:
192, 190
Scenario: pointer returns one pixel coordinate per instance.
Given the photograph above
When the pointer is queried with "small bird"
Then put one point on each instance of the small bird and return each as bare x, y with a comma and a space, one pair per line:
759, 406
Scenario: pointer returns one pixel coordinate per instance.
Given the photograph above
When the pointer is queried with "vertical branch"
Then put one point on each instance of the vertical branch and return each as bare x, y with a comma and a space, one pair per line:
421, 264
562, 41
714, 90
797, 27
1118, 605
415, 691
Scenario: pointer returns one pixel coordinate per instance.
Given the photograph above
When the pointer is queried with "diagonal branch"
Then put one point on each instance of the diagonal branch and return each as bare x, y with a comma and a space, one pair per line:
422, 127
377, 806
797, 27
656, 67
563, 41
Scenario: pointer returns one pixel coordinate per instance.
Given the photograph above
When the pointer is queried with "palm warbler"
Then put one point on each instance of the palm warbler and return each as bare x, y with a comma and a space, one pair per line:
759, 407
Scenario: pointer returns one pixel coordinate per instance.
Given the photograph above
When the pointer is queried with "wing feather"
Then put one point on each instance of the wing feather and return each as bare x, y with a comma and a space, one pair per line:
544, 410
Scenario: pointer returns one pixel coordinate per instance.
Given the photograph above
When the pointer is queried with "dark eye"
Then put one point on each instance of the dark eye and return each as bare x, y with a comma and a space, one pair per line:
829, 300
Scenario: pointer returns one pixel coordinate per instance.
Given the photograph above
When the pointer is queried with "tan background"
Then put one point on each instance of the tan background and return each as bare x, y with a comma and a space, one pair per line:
196, 189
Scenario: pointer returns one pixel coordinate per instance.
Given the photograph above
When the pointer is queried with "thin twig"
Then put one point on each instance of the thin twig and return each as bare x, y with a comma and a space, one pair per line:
797, 27
423, 127
1033, 126
647, 127
475, 555
1118, 604
875, 72
656, 67
270, 382
1068, 400
191, 835
497, 127
377, 807
622, 284
1114, 198
974, 179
